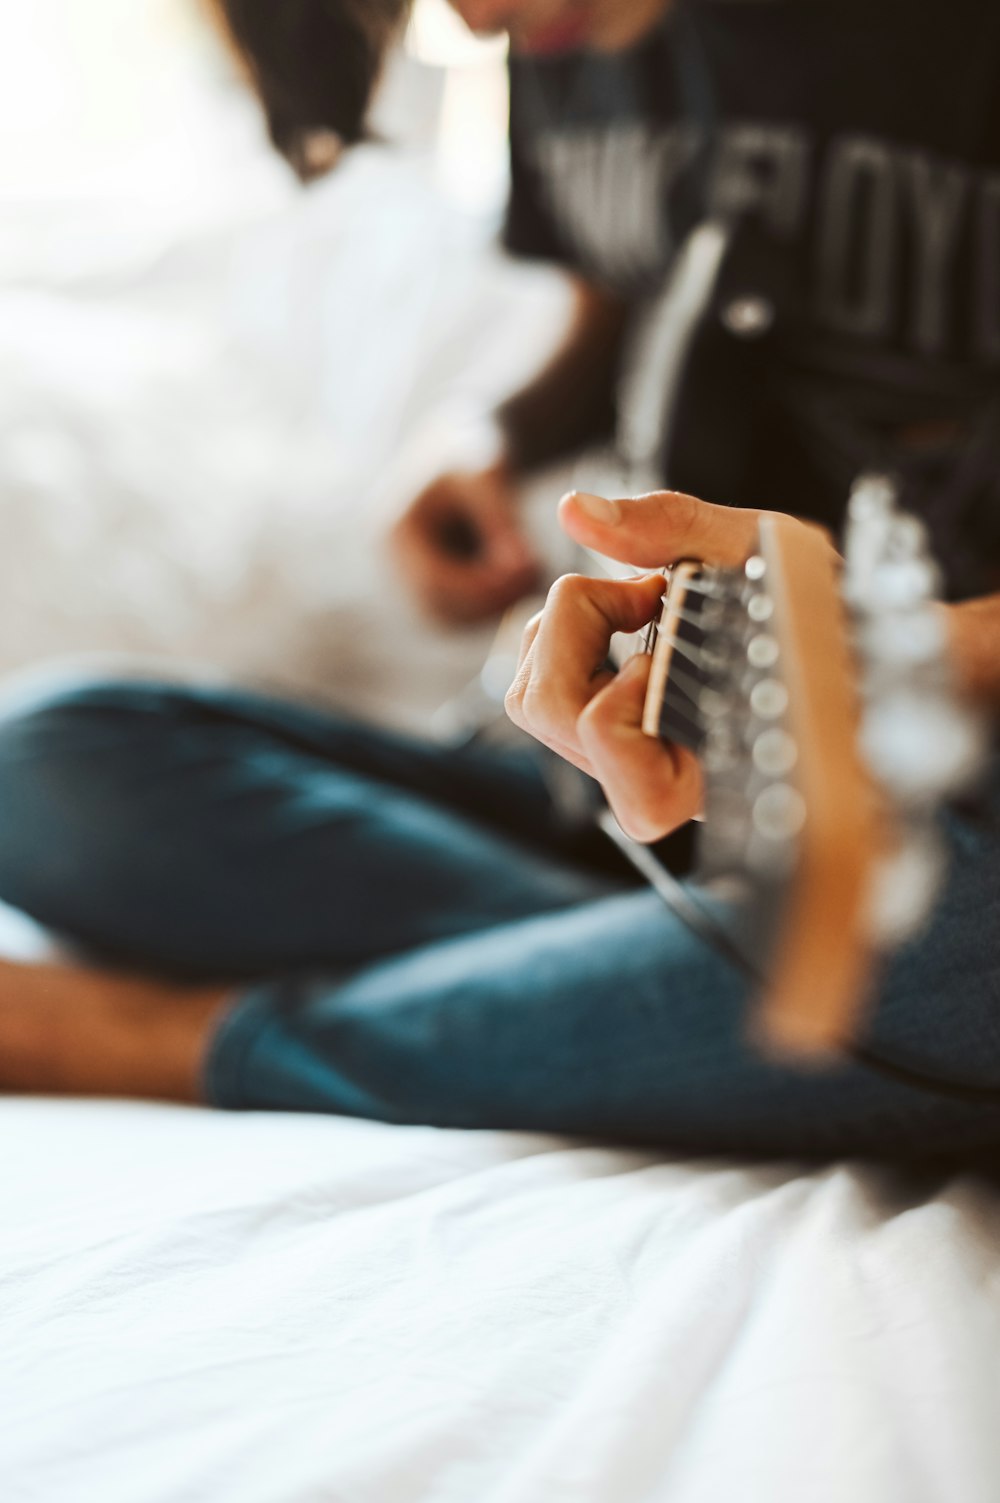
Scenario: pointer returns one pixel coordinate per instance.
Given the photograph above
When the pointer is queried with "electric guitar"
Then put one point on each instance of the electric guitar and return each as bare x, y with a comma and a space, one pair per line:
816, 693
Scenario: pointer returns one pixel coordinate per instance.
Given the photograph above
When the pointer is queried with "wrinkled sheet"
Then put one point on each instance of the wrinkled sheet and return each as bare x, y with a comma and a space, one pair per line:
262, 1308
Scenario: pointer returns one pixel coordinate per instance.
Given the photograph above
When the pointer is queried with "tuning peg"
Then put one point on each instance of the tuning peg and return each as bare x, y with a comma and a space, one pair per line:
874, 495
921, 744
908, 538
906, 885
902, 583
905, 642
870, 516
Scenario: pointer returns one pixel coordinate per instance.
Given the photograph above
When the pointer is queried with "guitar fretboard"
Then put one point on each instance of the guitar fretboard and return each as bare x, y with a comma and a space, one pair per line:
717, 688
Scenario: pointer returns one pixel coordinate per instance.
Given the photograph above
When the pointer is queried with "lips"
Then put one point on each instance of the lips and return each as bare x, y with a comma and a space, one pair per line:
563, 36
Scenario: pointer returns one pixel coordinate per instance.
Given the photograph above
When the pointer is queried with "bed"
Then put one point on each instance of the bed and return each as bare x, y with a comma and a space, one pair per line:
273, 1309
287, 1309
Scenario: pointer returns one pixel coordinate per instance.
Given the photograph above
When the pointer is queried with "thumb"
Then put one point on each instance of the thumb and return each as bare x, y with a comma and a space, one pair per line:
660, 528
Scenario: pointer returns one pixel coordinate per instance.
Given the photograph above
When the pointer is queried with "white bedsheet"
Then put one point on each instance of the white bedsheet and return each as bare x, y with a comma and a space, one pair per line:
254, 1309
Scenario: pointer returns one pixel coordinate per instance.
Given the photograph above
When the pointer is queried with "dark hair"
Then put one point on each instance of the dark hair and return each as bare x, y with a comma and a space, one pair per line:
314, 64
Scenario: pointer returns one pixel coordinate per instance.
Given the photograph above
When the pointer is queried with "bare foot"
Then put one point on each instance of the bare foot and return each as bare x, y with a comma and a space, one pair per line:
75, 1032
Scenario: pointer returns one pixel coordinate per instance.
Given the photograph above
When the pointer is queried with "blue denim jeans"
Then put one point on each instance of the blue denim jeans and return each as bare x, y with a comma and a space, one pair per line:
413, 936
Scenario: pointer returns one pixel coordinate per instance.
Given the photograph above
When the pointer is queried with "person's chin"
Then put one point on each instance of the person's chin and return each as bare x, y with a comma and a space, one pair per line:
570, 35
591, 30
615, 33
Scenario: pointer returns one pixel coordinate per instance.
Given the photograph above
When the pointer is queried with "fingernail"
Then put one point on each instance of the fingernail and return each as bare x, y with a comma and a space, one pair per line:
607, 513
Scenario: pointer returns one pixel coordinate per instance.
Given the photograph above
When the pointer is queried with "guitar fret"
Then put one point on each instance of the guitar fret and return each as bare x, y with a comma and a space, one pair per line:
677, 695
679, 679
699, 587
690, 618
681, 716
687, 650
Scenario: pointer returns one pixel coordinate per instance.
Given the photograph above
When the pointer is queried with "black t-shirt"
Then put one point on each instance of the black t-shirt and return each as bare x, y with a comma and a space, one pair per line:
849, 153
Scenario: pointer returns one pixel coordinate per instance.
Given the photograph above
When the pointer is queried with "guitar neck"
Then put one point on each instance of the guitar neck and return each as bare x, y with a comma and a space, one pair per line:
751, 669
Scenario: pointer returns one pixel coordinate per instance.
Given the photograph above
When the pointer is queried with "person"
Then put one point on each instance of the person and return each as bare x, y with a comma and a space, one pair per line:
782, 221
327, 918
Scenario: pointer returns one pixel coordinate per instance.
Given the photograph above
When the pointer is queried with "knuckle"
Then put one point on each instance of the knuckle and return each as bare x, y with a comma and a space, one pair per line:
688, 506
568, 591
682, 510
528, 636
636, 826
517, 694
535, 706
541, 713
512, 706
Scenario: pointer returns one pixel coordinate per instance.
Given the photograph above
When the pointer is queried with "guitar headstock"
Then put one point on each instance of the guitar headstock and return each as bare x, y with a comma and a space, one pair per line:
819, 701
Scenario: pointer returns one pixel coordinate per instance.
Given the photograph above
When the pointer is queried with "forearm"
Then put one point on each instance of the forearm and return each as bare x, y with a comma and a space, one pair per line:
974, 631
572, 402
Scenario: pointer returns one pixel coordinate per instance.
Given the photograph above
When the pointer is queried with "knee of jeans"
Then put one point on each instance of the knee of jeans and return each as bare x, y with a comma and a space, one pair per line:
62, 757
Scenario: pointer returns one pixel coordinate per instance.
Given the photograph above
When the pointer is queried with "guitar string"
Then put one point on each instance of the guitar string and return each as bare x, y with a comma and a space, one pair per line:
676, 896
701, 657
710, 592
690, 618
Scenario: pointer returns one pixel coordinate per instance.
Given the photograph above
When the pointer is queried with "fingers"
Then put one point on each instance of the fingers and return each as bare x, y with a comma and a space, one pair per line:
566, 697
652, 788
528, 638
565, 650
660, 528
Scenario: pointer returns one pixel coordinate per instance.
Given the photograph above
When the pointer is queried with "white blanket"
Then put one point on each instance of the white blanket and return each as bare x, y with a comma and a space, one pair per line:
286, 1310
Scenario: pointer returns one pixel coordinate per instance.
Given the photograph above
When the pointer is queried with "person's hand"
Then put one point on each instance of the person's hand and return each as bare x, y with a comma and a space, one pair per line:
565, 695
462, 549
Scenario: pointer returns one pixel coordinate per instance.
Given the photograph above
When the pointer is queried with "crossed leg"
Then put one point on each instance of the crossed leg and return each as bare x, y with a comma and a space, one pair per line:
350, 923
